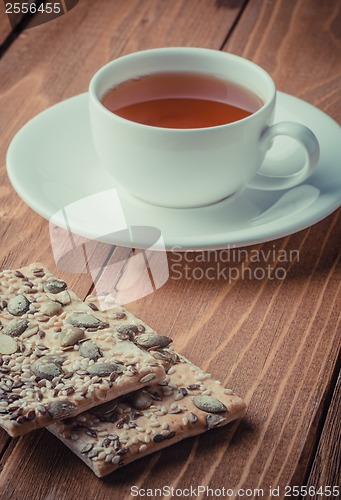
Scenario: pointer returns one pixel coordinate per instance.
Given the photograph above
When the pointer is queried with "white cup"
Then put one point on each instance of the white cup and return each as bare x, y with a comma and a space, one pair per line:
193, 167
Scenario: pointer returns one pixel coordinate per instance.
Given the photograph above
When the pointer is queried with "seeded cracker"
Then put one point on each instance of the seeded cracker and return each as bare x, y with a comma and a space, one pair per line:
58, 356
186, 403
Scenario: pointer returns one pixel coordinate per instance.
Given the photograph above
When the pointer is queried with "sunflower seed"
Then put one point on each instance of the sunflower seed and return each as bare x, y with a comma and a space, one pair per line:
30, 332
193, 387
193, 418
88, 447
147, 378
93, 454
158, 438
18, 274
31, 415
3, 305
93, 306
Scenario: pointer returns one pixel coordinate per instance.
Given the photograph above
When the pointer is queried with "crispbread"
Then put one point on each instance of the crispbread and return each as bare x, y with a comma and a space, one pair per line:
186, 403
112, 435
59, 357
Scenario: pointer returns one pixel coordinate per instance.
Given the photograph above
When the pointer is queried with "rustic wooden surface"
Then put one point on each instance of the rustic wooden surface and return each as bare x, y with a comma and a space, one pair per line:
8, 30
275, 342
5, 26
329, 450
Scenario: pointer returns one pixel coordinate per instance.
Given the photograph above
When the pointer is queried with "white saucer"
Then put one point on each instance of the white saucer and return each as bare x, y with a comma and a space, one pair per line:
53, 167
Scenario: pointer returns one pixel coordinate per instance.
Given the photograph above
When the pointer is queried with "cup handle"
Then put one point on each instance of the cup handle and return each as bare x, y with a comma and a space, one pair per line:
304, 136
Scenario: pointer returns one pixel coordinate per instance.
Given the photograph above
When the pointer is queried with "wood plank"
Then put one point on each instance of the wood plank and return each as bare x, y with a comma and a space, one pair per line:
5, 26
40, 65
43, 60
326, 469
284, 349
274, 341
298, 43
271, 37
4, 441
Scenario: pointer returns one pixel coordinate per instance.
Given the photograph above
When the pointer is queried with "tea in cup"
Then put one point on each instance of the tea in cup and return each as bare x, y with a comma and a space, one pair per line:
187, 127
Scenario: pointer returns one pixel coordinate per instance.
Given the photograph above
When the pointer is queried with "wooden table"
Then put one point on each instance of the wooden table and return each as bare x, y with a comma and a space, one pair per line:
276, 342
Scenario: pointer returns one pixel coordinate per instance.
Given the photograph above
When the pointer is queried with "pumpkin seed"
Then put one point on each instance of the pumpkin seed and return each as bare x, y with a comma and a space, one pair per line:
7, 344
70, 336
84, 320
16, 327
18, 305
214, 420
46, 369
141, 400
209, 404
104, 369
61, 409
148, 341
51, 308
89, 350
55, 286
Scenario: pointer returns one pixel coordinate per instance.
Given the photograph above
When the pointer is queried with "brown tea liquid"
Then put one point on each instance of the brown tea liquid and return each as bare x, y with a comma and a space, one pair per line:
181, 100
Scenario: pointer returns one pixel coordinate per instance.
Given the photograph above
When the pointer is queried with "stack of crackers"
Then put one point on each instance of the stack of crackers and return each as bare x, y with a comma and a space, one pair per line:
106, 384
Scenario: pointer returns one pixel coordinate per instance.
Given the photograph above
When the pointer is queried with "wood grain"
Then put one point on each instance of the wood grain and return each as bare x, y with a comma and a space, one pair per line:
298, 42
326, 470
39, 70
275, 341
5, 26
274, 349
